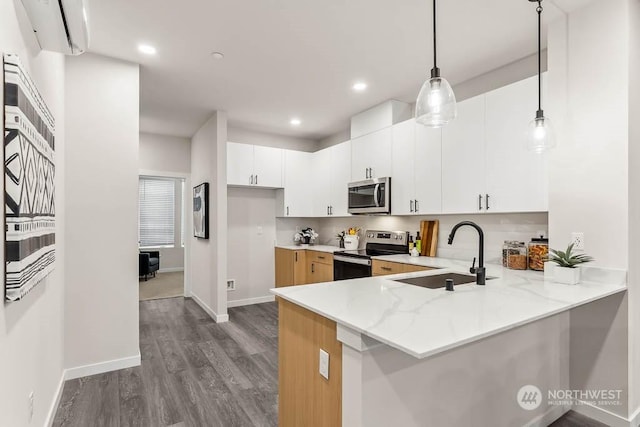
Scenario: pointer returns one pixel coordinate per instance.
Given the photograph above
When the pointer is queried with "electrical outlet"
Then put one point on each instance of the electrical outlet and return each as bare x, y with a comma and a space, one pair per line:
231, 284
577, 238
31, 399
324, 364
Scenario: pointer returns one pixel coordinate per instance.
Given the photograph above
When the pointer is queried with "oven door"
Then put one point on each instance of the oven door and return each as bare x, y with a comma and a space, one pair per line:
350, 268
372, 196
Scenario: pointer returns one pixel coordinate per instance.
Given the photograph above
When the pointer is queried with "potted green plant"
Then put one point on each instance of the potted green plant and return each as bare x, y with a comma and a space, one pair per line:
567, 262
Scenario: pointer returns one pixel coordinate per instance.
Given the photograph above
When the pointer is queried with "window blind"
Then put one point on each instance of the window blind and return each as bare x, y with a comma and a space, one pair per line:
157, 212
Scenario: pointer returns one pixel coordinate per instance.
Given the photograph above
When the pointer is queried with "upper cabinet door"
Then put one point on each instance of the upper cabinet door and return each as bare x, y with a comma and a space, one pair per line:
463, 168
340, 177
321, 185
370, 155
428, 170
267, 166
297, 180
516, 177
403, 162
239, 164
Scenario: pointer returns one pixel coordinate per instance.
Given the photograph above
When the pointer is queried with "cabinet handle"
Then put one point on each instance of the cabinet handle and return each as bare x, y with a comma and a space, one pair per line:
410, 205
256, 179
251, 180
327, 210
417, 206
479, 202
287, 210
370, 172
296, 256
486, 198
386, 268
320, 257
330, 210
313, 270
366, 173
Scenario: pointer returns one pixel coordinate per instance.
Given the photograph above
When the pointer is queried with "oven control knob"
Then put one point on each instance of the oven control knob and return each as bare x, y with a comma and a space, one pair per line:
400, 237
396, 237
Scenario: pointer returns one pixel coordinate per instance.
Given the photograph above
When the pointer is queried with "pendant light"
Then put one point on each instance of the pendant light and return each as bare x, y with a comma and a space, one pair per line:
436, 103
540, 135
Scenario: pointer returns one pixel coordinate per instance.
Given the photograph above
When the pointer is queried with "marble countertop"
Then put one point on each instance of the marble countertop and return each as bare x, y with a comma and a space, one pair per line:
423, 322
319, 248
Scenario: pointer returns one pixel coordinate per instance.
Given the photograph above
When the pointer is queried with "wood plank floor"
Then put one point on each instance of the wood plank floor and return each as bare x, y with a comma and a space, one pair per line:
194, 372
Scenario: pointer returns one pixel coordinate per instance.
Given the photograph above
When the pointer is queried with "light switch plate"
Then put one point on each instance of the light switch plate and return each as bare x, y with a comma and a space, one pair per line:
324, 363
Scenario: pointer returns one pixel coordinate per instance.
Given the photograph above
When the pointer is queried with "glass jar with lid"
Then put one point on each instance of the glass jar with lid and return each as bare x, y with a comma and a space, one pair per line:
508, 248
538, 253
517, 256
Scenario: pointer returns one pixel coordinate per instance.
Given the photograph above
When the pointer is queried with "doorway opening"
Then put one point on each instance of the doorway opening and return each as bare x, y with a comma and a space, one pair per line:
162, 236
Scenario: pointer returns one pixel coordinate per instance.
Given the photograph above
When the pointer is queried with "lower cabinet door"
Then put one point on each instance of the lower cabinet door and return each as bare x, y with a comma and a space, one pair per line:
318, 273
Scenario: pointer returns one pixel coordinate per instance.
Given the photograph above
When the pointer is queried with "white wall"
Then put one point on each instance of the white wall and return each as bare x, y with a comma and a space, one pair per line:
165, 153
246, 136
208, 258
251, 234
32, 330
634, 203
588, 57
101, 304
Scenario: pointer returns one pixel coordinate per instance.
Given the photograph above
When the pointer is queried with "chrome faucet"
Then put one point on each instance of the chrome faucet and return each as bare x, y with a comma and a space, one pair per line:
480, 270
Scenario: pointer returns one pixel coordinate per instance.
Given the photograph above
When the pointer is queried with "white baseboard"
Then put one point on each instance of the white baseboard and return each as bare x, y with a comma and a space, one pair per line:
170, 269
250, 301
552, 414
218, 318
102, 367
56, 401
606, 417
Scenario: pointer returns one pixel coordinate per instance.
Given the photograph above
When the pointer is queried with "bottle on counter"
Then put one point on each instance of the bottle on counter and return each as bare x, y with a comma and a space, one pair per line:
418, 242
517, 256
411, 244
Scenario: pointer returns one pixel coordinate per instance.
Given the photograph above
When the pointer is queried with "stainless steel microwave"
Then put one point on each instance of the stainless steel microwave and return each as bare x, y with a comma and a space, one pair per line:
372, 196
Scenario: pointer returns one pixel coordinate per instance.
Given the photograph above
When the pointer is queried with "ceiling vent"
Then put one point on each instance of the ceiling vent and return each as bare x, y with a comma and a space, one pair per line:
59, 25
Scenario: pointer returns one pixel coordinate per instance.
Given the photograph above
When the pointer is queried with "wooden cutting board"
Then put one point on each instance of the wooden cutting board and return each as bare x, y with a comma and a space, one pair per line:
429, 235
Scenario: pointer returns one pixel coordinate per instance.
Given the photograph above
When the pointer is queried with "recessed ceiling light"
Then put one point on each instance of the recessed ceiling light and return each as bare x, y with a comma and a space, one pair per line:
147, 49
295, 122
217, 55
359, 86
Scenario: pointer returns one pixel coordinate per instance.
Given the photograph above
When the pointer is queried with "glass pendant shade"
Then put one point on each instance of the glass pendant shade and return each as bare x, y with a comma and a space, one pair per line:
540, 135
436, 103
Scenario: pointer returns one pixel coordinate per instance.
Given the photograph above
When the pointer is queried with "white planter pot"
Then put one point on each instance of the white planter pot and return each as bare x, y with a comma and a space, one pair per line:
568, 276
351, 242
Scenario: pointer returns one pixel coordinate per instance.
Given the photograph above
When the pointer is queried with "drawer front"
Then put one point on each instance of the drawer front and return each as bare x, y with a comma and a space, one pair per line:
381, 268
408, 268
320, 257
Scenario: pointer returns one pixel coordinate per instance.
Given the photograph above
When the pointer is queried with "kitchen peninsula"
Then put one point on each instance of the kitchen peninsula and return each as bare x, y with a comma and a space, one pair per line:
404, 355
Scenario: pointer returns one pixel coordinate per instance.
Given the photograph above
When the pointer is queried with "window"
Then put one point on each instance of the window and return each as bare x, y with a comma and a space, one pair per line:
157, 212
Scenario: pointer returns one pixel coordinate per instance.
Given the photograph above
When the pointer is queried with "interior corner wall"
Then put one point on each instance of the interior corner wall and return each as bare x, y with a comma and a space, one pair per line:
588, 61
32, 329
101, 304
634, 205
208, 258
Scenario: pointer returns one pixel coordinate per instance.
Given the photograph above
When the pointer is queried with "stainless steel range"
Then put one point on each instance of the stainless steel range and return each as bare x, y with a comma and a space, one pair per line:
356, 264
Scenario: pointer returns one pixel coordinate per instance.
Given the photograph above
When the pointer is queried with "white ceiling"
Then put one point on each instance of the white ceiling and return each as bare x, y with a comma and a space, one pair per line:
286, 58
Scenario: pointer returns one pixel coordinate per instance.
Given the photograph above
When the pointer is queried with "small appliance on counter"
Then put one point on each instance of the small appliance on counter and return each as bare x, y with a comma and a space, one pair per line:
354, 264
372, 196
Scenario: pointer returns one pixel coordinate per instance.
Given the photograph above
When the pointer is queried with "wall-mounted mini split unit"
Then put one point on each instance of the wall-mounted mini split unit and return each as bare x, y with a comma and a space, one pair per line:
59, 25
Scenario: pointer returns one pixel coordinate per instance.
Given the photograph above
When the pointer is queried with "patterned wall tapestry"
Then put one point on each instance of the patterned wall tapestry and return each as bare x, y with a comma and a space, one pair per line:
29, 172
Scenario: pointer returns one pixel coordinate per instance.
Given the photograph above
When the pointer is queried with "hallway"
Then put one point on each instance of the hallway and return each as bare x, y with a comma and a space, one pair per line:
194, 372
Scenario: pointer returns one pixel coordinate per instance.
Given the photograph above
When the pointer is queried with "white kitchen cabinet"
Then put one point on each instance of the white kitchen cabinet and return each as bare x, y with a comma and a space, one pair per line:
416, 171
254, 166
463, 159
371, 154
516, 178
297, 199
332, 173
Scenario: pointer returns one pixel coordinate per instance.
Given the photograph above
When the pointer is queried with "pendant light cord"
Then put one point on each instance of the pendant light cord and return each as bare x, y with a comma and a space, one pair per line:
435, 47
539, 10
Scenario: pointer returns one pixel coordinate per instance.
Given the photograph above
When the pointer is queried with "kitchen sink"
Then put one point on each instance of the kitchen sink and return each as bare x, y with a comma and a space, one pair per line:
439, 280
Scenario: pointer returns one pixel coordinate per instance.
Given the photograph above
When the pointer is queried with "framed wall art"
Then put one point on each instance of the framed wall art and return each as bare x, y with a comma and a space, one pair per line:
29, 180
201, 211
